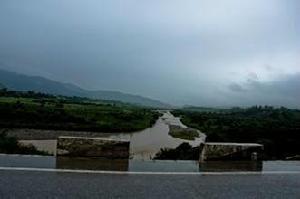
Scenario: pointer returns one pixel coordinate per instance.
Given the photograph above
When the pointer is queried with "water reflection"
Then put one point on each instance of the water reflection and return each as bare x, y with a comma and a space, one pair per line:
163, 166
102, 164
27, 161
230, 166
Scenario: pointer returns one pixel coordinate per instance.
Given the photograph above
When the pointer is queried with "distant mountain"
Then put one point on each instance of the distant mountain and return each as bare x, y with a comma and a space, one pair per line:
20, 82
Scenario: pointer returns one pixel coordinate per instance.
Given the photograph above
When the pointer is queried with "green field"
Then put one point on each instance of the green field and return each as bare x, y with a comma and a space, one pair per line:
42, 111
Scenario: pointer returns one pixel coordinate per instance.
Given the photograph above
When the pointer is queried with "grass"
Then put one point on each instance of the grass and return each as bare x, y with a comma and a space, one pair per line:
278, 129
41, 111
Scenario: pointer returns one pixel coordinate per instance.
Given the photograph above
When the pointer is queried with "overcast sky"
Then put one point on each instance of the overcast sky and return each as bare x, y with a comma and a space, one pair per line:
198, 52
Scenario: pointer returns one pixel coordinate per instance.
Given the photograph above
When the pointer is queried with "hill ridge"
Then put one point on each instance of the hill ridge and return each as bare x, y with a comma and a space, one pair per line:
22, 82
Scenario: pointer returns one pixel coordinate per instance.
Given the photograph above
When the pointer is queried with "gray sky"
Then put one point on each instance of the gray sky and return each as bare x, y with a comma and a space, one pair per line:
199, 52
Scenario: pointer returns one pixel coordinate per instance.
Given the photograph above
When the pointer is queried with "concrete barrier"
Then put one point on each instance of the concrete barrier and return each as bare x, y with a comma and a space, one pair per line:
92, 147
230, 151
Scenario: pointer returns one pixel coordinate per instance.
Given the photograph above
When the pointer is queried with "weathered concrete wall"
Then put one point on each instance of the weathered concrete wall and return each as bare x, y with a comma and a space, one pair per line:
230, 151
92, 147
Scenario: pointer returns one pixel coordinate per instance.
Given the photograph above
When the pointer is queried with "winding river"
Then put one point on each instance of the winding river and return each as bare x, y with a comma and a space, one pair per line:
143, 144
146, 143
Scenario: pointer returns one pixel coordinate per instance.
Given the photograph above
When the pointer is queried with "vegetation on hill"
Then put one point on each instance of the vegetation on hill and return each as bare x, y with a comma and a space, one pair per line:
205, 109
44, 111
278, 129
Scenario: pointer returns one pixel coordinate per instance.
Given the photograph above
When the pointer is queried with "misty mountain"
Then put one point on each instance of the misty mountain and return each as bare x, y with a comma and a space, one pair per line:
20, 82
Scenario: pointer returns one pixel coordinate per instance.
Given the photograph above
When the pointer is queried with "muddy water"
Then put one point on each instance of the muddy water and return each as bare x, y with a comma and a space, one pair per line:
48, 146
143, 144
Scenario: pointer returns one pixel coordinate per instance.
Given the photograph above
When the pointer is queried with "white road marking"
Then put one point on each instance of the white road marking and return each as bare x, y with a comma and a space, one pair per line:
145, 173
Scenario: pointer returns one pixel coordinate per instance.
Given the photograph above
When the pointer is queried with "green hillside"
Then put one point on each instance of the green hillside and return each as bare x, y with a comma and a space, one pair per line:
44, 111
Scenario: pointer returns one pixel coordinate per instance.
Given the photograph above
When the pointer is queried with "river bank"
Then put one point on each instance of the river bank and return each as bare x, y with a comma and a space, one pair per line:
41, 134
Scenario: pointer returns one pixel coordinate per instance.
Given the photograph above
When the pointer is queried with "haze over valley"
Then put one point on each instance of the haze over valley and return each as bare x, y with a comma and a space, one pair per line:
200, 53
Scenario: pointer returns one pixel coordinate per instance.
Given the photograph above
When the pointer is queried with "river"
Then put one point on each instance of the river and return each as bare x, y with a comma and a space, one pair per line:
143, 144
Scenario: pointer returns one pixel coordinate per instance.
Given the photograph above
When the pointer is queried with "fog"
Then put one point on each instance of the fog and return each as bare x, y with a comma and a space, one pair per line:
196, 52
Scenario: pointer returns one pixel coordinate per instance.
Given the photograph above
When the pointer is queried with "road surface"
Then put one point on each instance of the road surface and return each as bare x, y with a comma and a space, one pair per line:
51, 184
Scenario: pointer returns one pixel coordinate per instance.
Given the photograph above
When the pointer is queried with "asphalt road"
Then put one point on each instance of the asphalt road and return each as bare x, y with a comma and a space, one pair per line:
42, 184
